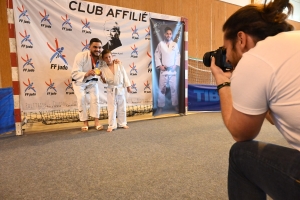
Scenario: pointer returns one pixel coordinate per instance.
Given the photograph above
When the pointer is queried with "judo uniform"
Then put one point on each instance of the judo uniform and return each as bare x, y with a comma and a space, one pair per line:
83, 86
167, 55
116, 95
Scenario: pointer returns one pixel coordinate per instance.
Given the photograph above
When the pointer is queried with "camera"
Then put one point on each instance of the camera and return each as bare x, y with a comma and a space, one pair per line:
220, 59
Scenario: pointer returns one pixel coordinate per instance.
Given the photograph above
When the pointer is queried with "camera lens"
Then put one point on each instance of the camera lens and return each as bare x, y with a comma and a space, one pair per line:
207, 59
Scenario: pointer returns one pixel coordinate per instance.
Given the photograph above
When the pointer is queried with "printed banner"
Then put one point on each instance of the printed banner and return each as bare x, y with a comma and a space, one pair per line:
49, 33
203, 98
167, 57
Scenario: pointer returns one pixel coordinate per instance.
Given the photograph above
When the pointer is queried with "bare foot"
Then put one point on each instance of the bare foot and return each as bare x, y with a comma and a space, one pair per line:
97, 123
126, 127
109, 129
99, 127
84, 128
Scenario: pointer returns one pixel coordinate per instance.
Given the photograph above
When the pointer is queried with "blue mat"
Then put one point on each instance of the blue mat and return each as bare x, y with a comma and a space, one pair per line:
7, 119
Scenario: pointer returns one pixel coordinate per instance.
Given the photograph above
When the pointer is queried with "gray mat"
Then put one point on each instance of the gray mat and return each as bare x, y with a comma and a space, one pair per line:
182, 157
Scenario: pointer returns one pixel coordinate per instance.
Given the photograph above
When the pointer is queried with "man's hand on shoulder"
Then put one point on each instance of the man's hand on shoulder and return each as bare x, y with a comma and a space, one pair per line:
117, 61
129, 89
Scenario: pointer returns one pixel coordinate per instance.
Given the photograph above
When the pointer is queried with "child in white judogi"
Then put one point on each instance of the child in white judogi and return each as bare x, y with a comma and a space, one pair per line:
116, 78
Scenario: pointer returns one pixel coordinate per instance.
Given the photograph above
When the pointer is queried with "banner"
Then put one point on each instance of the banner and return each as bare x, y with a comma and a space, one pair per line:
203, 98
167, 64
49, 33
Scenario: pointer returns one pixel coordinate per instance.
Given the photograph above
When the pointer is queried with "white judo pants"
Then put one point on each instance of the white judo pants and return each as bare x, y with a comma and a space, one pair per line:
81, 90
116, 106
167, 79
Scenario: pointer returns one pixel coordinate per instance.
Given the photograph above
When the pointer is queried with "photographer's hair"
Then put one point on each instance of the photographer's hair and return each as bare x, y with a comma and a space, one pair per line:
95, 40
168, 29
105, 51
259, 20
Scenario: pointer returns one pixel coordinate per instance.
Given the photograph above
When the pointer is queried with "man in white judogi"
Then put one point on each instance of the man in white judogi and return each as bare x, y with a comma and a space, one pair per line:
167, 59
85, 81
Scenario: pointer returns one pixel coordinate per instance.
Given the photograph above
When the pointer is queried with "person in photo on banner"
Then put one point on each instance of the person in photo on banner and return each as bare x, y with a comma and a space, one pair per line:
112, 32
167, 60
117, 80
264, 84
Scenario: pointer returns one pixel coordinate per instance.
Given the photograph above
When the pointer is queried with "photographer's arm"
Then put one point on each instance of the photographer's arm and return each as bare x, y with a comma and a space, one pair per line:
242, 127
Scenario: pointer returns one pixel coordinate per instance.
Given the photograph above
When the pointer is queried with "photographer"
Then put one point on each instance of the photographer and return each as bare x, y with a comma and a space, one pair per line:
265, 83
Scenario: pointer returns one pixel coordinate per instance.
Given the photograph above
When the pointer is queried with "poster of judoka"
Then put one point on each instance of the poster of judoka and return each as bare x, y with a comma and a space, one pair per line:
167, 66
50, 33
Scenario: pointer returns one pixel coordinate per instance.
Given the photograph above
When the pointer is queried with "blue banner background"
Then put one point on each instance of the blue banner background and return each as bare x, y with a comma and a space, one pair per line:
203, 98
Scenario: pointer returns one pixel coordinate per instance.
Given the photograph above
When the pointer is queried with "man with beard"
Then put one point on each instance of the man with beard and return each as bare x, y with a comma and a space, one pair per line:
167, 60
85, 81
264, 52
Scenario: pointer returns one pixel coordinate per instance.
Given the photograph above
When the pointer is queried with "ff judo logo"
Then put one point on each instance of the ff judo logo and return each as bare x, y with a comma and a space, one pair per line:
86, 46
58, 54
66, 25
147, 37
133, 71
29, 90
86, 27
69, 88
45, 21
23, 17
135, 34
147, 88
51, 90
150, 63
133, 87
26, 41
28, 65
134, 53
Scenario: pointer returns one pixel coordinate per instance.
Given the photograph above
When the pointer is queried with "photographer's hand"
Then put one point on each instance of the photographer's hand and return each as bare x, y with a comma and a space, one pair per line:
218, 73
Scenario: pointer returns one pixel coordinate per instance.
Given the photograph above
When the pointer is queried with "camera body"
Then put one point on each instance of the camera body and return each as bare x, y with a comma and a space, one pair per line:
220, 59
